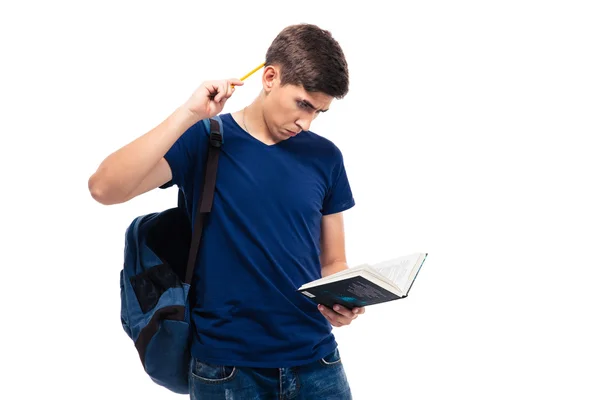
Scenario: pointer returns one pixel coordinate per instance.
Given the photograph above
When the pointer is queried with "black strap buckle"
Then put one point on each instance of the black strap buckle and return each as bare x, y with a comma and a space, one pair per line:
216, 137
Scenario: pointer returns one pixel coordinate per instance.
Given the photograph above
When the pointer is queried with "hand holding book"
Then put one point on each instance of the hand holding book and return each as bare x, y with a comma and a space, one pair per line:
340, 315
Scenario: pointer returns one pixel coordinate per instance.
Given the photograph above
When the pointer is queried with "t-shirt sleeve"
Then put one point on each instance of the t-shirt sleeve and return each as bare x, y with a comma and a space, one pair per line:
339, 196
182, 157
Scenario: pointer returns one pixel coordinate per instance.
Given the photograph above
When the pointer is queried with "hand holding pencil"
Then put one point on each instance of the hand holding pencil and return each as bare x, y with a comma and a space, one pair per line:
210, 97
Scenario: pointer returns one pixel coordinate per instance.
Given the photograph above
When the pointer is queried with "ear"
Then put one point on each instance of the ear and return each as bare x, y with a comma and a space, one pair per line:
270, 78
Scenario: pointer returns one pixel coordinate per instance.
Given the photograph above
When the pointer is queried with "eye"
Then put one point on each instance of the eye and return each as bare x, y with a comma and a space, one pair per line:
303, 105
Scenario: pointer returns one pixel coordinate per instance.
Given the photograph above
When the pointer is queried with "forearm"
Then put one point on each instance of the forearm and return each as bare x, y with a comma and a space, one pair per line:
122, 171
332, 268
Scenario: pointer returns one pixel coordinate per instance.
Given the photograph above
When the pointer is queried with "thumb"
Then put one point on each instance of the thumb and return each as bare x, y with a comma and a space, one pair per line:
235, 82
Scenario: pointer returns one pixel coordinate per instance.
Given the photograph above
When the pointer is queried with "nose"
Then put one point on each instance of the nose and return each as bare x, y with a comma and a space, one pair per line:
304, 124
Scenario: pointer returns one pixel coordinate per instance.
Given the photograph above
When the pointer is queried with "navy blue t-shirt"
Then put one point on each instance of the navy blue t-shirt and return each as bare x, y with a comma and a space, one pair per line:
261, 242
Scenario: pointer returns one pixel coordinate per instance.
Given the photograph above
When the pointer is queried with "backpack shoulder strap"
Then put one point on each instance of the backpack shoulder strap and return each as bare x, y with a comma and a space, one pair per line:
206, 123
209, 128
215, 132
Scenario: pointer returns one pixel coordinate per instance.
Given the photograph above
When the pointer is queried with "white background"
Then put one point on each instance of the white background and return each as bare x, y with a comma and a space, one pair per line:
470, 132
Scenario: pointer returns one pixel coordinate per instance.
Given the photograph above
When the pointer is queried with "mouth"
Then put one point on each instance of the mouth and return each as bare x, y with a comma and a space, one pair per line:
291, 133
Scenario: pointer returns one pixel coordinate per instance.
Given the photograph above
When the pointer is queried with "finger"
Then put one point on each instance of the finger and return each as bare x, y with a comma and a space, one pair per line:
226, 91
326, 311
334, 321
331, 315
340, 320
230, 90
358, 310
344, 311
235, 82
334, 317
213, 90
221, 93
230, 87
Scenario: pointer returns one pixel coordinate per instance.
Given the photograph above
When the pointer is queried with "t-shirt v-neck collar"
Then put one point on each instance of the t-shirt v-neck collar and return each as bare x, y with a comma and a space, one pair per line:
251, 137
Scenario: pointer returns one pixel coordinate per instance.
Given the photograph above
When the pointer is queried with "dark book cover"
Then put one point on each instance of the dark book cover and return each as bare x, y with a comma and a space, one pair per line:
352, 292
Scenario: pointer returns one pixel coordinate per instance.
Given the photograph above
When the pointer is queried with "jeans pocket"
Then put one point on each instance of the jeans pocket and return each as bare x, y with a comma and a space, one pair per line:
210, 373
331, 359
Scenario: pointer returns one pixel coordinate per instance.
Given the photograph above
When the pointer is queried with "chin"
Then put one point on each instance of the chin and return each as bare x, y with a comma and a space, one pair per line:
288, 133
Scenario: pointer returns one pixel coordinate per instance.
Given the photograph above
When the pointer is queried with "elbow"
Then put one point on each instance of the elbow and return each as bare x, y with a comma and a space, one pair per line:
100, 191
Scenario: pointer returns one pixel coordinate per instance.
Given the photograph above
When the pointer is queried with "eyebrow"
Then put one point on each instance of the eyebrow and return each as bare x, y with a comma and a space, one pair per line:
308, 103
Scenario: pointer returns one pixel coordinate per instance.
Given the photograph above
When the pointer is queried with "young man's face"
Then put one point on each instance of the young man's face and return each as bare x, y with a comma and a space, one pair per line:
290, 109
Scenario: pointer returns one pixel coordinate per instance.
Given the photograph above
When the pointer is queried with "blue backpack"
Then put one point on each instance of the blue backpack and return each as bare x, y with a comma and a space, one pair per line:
160, 254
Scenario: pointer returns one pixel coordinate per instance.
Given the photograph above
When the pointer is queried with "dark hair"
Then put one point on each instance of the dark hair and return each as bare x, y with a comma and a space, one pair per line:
309, 57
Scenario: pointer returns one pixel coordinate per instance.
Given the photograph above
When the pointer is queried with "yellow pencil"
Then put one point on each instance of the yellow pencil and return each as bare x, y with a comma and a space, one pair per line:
251, 72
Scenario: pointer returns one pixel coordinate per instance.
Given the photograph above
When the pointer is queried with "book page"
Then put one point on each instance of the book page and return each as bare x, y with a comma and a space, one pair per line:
395, 274
398, 269
350, 272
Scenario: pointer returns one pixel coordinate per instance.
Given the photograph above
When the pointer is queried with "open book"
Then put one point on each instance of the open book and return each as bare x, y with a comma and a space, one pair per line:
366, 284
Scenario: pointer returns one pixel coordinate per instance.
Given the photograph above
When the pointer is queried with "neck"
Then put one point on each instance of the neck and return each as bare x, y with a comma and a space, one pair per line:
254, 121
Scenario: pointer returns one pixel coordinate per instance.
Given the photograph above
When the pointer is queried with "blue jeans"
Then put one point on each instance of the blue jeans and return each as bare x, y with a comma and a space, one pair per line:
323, 379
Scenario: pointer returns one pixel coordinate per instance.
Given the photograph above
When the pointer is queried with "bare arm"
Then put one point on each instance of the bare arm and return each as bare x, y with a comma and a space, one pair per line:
158, 176
333, 259
333, 247
140, 166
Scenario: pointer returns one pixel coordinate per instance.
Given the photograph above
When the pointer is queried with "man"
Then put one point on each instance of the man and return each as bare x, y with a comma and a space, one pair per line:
276, 223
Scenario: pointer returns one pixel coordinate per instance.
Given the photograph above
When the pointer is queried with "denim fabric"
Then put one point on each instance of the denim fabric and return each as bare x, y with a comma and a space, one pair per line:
323, 379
